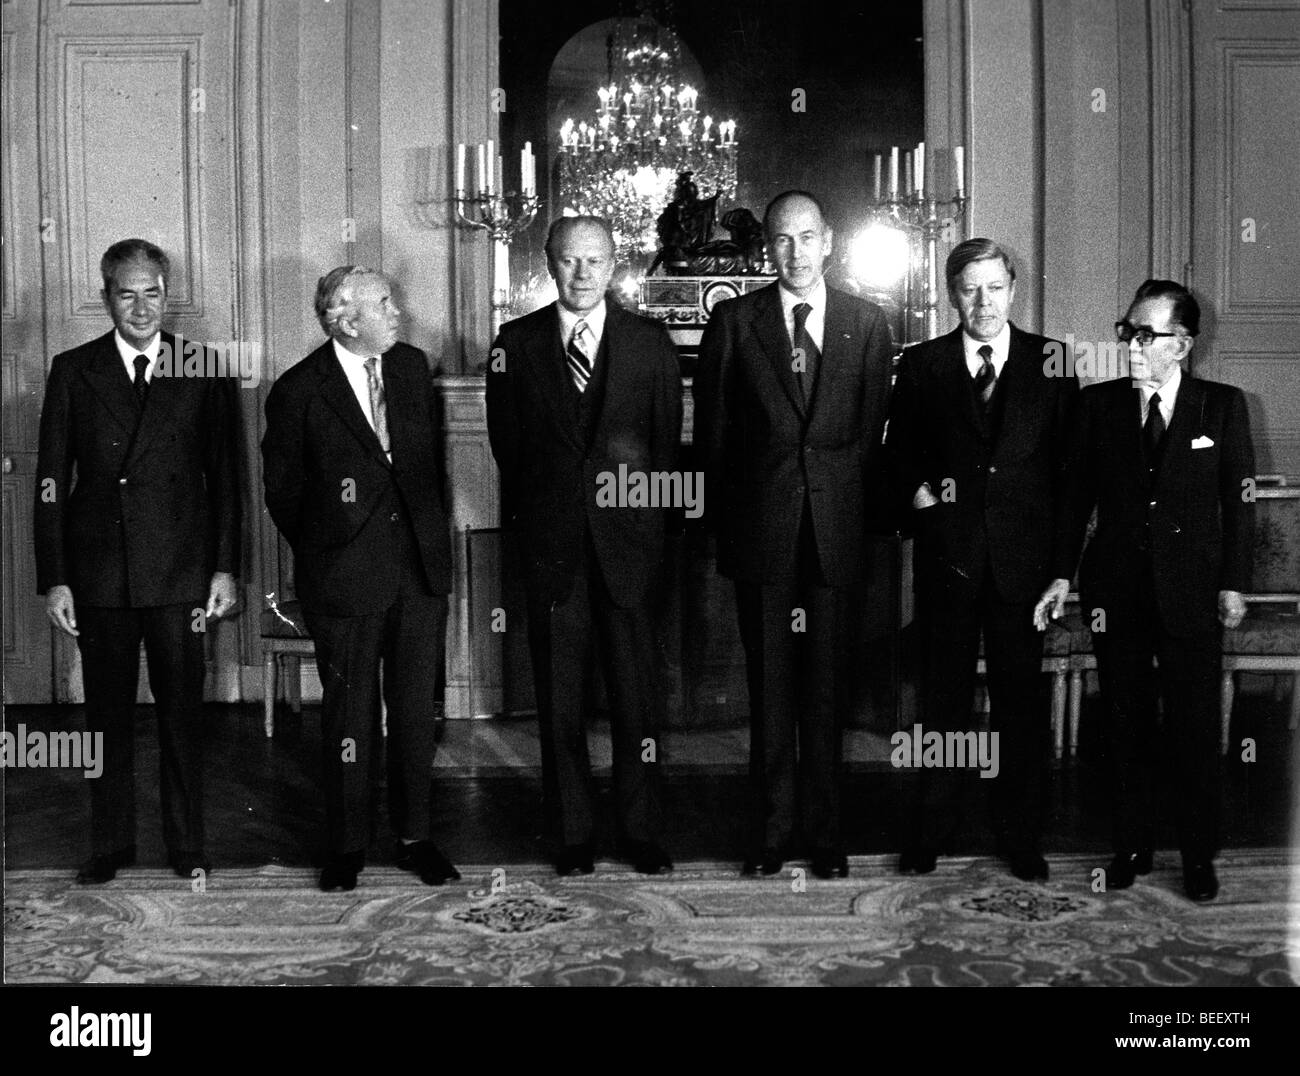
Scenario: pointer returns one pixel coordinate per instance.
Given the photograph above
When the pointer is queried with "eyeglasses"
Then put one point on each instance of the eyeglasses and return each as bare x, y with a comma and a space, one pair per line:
1126, 332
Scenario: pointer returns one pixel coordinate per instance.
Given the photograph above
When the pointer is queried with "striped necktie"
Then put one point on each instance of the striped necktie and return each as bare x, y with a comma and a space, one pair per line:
985, 379
579, 361
378, 406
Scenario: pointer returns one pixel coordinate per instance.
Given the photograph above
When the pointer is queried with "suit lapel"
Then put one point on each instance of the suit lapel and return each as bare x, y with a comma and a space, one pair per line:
1177, 441
837, 346
399, 394
1018, 382
768, 325
544, 358
956, 382
160, 402
112, 384
614, 382
337, 390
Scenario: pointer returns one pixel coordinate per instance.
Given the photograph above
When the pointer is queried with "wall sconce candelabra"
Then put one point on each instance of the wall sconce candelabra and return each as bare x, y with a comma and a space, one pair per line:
914, 212
501, 213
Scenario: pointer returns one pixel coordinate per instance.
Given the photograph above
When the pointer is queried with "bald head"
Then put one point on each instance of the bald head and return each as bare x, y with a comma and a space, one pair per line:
798, 240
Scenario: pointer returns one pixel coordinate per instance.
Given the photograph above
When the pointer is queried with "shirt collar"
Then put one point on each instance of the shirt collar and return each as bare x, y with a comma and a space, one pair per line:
128, 353
1001, 345
351, 358
1168, 391
815, 298
595, 319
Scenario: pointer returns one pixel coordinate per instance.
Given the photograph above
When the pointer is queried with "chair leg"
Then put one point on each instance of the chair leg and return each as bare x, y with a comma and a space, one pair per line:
1058, 712
268, 692
1225, 710
1076, 708
293, 681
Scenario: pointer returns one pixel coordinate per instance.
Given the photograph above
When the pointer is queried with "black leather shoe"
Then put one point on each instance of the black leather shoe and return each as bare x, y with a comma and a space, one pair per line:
1029, 867
917, 861
829, 863
341, 871
1199, 881
769, 861
647, 857
424, 858
575, 859
1126, 866
101, 869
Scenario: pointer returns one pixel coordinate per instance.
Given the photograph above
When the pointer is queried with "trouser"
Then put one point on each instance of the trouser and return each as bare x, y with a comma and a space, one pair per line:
954, 613
563, 638
1187, 680
109, 641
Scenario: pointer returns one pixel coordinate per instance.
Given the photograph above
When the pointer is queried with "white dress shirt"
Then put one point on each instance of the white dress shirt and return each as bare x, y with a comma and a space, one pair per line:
595, 319
1001, 345
354, 366
816, 323
128, 354
1168, 394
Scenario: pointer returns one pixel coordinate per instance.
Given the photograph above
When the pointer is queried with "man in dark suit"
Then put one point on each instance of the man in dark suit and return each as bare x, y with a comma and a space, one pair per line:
978, 435
1167, 462
352, 461
575, 392
790, 403
144, 545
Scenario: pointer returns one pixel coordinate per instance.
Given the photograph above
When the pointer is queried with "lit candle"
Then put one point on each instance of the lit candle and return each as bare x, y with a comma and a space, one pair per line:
460, 168
708, 122
501, 174
907, 173
920, 168
959, 167
523, 168
480, 176
893, 173
685, 128
876, 169
491, 163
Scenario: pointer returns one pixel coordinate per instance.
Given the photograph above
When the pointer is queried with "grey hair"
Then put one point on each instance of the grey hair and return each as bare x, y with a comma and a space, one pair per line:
334, 295
129, 251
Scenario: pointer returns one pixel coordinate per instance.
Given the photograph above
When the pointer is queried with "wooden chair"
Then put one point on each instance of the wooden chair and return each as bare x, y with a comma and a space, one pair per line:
285, 641
1267, 641
1056, 662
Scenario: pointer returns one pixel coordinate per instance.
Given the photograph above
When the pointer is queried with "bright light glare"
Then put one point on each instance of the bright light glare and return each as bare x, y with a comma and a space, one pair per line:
878, 256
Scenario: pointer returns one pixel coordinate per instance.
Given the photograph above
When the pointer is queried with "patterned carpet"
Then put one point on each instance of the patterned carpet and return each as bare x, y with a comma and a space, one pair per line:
968, 924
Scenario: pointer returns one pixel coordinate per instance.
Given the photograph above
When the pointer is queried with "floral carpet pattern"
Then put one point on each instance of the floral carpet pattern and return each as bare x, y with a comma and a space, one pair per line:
968, 924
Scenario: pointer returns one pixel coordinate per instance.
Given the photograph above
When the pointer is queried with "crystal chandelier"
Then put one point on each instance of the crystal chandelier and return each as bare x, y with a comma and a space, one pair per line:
623, 163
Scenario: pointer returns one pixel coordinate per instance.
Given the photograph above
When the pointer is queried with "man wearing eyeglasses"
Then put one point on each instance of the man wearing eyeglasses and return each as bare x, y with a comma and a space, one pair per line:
1167, 462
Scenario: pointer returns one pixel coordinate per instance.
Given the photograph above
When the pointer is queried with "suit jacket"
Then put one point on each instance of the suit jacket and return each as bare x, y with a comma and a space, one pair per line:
551, 466
331, 490
1191, 514
155, 508
766, 452
999, 482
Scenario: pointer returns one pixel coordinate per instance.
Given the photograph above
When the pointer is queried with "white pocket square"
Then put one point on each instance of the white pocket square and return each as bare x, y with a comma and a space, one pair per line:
1202, 442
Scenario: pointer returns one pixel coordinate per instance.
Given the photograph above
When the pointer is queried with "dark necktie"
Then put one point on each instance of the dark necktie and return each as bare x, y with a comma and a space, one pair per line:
985, 379
811, 356
378, 408
578, 359
140, 385
1153, 429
